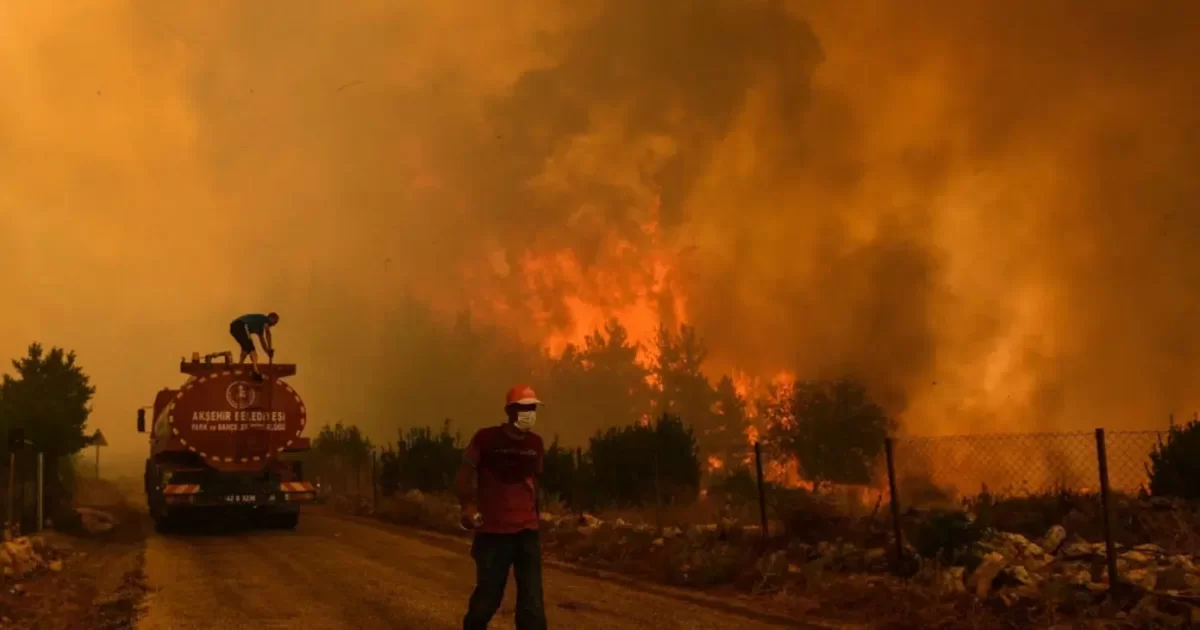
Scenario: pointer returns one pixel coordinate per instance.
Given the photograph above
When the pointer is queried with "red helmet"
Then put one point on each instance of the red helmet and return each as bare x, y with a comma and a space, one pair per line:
521, 395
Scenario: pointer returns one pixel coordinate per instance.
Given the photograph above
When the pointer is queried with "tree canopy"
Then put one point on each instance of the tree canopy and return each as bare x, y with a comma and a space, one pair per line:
50, 398
340, 453
832, 428
1174, 468
600, 384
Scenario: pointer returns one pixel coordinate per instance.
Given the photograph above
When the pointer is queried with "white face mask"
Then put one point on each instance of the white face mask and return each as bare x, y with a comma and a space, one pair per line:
525, 420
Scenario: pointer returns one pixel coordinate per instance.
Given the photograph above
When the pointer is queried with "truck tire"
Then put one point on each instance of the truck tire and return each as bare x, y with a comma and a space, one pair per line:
283, 520
163, 524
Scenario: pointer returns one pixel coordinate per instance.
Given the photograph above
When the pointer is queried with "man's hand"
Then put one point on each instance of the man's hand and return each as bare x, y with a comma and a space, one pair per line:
271, 353
469, 519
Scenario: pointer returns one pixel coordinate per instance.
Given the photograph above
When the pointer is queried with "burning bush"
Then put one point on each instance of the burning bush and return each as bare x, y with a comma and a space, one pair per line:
832, 429
736, 484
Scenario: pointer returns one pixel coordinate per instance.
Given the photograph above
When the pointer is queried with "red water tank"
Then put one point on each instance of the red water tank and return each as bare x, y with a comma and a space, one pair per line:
234, 421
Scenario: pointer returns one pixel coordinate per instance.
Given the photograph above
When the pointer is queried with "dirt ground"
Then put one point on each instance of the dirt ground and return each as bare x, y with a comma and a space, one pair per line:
102, 581
331, 572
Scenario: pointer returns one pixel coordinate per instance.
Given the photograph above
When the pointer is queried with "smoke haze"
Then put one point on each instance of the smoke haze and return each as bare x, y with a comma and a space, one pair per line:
989, 210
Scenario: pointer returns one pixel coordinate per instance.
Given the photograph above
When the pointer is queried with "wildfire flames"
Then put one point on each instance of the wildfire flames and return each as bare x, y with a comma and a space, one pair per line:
638, 285
634, 283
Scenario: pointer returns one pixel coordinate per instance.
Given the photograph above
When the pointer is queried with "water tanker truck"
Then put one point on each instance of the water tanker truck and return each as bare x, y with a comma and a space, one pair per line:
227, 439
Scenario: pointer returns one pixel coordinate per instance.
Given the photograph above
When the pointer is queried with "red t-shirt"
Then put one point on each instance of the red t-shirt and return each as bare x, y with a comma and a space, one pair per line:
505, 469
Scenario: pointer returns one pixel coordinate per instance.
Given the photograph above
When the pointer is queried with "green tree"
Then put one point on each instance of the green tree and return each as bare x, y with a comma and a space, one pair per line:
49, 397
429, 461
342, 453
600, 384
833, 429
627, 462
727, 439
389, 471
1174, 466
560, 474
684, 389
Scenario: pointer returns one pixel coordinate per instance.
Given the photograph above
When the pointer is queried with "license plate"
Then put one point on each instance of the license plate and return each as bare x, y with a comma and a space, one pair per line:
241, 498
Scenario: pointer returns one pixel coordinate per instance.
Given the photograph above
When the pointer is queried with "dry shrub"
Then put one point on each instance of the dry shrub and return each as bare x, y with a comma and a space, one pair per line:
720, 564
813, 517
702, 511
350, 504
1173, 525
431, 511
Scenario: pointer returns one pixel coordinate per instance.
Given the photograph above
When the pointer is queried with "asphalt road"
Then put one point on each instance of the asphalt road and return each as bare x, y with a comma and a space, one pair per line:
339, 573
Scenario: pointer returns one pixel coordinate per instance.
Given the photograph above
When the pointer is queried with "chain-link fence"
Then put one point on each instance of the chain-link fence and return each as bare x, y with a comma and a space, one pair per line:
1018, 483
932, 471
1129, 458
1027, 483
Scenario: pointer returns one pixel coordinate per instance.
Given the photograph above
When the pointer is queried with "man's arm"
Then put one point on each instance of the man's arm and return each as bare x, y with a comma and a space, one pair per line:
537, 478
266, 339
464, 483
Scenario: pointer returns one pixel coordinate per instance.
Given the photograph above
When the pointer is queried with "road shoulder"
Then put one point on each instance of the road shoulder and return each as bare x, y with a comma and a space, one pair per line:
101, 584
723, 601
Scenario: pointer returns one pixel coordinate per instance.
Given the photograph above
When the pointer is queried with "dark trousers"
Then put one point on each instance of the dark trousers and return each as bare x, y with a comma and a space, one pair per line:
494, 554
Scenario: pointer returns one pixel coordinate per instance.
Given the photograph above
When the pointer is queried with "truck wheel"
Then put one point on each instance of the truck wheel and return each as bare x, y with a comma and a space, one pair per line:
285, 520
163, 524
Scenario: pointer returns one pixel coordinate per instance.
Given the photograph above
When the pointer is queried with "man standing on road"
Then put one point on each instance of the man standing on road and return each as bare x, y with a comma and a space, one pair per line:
505, 463
254, 324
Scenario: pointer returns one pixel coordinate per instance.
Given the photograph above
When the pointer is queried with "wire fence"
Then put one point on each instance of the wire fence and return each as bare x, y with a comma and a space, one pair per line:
1078, 474
1129, 458
1083, 472
933, 470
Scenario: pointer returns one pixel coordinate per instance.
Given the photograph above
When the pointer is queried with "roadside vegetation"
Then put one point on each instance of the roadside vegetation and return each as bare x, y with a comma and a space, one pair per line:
45, 401
667, 498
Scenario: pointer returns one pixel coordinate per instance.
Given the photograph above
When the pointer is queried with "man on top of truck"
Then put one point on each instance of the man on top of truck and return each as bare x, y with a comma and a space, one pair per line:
254, 324
503, 464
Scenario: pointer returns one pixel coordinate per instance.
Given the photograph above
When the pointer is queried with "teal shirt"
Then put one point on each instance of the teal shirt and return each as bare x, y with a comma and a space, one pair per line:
256, 323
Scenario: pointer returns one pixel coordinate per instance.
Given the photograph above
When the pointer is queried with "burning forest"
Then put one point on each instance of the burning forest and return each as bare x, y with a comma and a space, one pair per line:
984, 215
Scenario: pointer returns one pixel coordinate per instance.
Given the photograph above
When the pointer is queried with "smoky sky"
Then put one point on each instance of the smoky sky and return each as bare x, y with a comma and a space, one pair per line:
987, 210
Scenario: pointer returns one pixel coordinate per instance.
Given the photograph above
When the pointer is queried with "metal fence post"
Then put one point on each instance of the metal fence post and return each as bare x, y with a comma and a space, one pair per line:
1110, 552
897, 531
41, 487
762, 493
658, 517
12, 483
579, 481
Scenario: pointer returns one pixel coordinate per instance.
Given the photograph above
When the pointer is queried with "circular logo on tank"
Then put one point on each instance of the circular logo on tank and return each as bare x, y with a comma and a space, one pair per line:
240, 395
